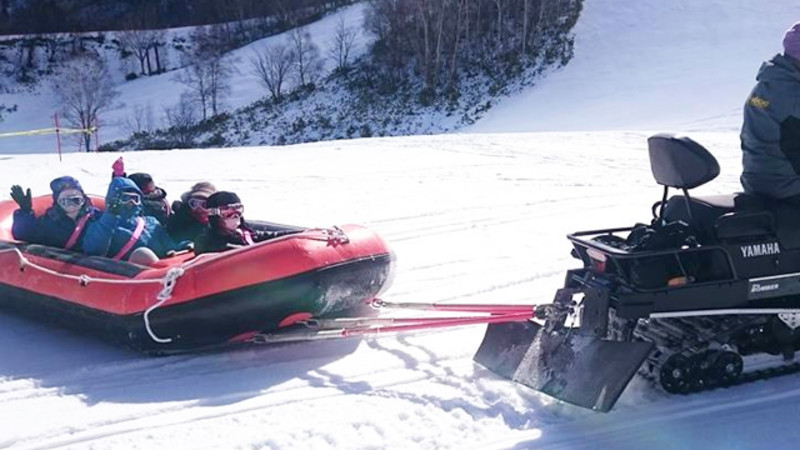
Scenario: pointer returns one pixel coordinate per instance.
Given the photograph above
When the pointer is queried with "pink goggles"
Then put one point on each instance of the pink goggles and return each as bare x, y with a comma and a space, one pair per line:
226, 211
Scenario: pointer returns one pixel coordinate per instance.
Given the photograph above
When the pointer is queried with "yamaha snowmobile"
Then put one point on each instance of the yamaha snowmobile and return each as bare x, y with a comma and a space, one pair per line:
706, 295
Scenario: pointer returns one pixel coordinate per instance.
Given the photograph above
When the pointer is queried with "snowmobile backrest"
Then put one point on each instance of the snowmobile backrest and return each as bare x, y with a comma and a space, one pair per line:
680, 162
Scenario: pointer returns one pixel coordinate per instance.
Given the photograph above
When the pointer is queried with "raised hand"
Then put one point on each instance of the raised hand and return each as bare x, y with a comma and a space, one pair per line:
24, 200
119, 167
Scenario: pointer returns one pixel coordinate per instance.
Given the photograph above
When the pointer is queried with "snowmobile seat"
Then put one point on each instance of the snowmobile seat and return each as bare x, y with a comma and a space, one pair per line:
723, 217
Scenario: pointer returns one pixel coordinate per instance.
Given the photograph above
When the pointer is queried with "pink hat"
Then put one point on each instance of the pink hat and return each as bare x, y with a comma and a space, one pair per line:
791, 42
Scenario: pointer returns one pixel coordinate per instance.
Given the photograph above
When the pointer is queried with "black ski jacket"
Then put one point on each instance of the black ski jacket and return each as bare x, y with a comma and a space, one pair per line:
771, 131
213, 240
182, 226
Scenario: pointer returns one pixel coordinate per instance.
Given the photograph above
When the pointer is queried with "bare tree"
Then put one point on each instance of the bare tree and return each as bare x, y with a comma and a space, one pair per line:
219, 71
158, 39
181, 119
141, 120
343, 40
271, 65
82, 91
207, 80
138, 43
307, 62
208, 70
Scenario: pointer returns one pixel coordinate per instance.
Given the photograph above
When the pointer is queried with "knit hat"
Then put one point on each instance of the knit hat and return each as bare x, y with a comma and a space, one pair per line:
63, 183
201, 189
141, 179
791, 42
222, 198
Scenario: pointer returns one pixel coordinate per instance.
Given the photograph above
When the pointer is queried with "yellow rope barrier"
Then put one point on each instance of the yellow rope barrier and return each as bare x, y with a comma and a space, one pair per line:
44, 131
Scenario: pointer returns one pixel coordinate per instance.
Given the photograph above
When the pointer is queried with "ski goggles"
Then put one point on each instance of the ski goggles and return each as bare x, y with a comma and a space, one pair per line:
197, 203
130, 197
72, 201
227, 211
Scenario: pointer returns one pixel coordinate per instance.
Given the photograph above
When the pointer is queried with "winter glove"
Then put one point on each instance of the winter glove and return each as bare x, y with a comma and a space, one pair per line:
180, 247
119, 167
185, 245
25, 201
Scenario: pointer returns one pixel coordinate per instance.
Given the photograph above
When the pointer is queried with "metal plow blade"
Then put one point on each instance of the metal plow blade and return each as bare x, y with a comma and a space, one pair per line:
581, 370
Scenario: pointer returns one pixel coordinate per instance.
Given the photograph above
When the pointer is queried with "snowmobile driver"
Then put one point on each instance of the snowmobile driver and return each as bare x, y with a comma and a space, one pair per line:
771, 131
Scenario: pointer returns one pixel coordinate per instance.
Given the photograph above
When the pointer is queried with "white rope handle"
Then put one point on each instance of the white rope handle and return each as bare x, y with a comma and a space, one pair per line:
165, 294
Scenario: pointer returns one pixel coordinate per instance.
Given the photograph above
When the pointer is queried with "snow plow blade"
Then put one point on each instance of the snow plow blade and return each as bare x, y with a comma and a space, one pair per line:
578, 369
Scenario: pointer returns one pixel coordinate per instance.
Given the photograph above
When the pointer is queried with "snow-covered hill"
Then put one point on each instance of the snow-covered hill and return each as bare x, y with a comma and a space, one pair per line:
471, 217
678, 64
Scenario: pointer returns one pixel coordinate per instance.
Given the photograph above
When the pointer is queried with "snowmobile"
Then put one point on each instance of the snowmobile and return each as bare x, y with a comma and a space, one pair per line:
705, 295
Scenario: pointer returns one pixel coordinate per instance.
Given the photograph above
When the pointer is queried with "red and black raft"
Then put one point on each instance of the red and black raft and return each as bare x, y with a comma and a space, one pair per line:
189, 302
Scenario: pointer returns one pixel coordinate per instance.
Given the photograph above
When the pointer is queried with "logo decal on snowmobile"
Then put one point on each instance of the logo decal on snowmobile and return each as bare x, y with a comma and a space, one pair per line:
750, 251
775, 286
764, 287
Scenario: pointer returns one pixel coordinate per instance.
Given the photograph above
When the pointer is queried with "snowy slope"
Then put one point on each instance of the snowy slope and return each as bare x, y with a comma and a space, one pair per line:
678, 64
471, 217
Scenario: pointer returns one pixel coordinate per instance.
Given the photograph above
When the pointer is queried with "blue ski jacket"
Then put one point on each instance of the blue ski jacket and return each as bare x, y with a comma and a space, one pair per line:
108, 235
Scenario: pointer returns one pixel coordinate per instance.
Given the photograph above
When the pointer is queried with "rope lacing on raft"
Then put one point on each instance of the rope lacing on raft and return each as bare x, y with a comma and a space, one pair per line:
168, 283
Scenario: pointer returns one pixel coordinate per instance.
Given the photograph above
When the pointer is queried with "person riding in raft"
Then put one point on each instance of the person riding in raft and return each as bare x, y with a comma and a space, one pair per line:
227, 228
154, 200
189, 216
122, 231
62, 225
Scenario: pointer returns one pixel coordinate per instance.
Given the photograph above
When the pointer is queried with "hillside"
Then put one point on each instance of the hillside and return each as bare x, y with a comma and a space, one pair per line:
677, 65
146, 98
384, 88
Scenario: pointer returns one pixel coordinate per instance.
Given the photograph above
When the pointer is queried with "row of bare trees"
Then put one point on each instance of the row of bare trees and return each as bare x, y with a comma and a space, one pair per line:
439, 36
300, 56
141, 43
52, 16
208, 70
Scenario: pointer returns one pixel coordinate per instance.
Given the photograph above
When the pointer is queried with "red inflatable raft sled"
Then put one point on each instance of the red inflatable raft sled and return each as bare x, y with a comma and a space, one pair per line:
185, 302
